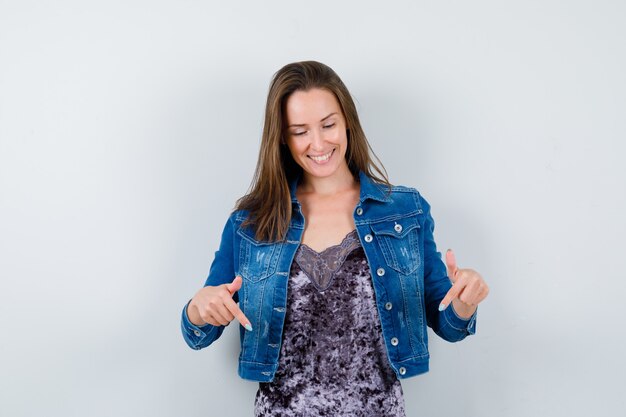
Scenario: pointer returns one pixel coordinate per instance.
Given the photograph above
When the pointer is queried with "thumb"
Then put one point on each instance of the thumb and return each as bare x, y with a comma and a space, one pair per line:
451, 265
234, 286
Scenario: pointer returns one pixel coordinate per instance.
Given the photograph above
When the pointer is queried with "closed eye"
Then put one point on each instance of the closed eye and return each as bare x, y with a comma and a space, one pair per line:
304, 132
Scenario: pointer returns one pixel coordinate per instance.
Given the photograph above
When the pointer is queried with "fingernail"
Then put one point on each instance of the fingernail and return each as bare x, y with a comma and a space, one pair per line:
442, 307
248, 327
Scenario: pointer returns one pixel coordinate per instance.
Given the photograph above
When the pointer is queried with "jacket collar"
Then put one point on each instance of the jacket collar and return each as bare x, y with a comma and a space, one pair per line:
373, 190
369, 189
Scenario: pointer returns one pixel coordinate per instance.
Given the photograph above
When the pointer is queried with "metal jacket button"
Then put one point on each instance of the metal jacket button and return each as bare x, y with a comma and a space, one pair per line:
197, 332
388, 306
394, 341
359, 211
380, 272
397, 228
402, 370
368, 238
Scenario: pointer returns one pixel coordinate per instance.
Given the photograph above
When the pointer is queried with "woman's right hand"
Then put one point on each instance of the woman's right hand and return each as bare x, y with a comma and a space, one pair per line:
215, 305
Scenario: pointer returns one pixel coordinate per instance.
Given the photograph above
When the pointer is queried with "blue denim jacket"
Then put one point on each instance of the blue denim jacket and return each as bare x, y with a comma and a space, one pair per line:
408, 274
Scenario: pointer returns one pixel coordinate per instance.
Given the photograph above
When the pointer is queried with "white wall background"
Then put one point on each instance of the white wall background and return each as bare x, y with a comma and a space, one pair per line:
129, 128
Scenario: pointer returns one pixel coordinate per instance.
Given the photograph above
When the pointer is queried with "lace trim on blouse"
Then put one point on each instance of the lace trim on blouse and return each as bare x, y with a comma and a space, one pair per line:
321, 267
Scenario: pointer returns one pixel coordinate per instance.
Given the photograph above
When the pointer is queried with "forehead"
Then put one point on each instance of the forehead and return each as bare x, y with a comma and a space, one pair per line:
310, 106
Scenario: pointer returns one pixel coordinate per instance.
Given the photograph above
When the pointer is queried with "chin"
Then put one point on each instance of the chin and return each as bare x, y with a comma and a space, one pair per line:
321, 171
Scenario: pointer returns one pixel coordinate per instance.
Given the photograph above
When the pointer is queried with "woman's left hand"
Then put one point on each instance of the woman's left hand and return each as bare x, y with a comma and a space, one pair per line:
468, 288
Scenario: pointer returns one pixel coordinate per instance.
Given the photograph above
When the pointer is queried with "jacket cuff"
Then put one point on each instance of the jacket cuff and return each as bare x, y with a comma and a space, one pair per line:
467, 325
194, 334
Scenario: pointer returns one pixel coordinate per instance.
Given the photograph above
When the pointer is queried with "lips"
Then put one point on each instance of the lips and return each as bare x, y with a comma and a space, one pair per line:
321, 158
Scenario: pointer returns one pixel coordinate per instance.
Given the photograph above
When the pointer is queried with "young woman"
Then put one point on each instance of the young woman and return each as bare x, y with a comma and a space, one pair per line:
335, 271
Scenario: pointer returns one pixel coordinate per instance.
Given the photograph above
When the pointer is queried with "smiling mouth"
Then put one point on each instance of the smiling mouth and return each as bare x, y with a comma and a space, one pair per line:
322, 158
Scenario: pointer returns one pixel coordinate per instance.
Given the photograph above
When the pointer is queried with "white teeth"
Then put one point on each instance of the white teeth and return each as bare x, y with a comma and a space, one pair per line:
321, 158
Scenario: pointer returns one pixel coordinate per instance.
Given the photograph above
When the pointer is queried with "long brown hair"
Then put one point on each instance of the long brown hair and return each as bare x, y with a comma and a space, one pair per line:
268, 201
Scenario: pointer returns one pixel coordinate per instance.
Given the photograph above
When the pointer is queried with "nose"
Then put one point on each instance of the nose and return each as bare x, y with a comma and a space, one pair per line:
317, 141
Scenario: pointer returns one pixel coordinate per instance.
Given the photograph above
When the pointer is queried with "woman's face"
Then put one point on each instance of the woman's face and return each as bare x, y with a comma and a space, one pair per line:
316, 132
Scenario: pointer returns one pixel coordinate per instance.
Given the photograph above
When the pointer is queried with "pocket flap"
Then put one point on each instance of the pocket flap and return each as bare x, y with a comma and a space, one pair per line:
397, 228
248, 234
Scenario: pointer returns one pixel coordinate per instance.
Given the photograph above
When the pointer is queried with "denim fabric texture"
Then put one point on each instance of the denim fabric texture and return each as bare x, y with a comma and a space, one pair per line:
408, 274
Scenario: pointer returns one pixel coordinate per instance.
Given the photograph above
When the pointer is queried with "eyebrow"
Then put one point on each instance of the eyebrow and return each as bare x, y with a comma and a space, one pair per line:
298, 125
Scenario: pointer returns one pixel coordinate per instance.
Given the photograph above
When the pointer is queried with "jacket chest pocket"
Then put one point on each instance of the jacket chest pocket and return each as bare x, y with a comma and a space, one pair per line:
257, 260
399, 242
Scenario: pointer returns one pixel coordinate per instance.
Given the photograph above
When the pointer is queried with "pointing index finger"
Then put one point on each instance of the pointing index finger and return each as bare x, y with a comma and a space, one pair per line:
236, 311
451, 295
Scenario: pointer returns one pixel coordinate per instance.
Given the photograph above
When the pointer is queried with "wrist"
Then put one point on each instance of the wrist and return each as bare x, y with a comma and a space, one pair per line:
193, 314
462, 310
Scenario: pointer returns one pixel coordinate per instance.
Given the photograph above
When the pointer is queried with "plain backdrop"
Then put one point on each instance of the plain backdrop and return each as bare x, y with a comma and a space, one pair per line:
128, 129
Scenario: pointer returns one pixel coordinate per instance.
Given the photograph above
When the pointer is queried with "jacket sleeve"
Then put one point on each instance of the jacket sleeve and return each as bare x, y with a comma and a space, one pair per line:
446, 324
221, 272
